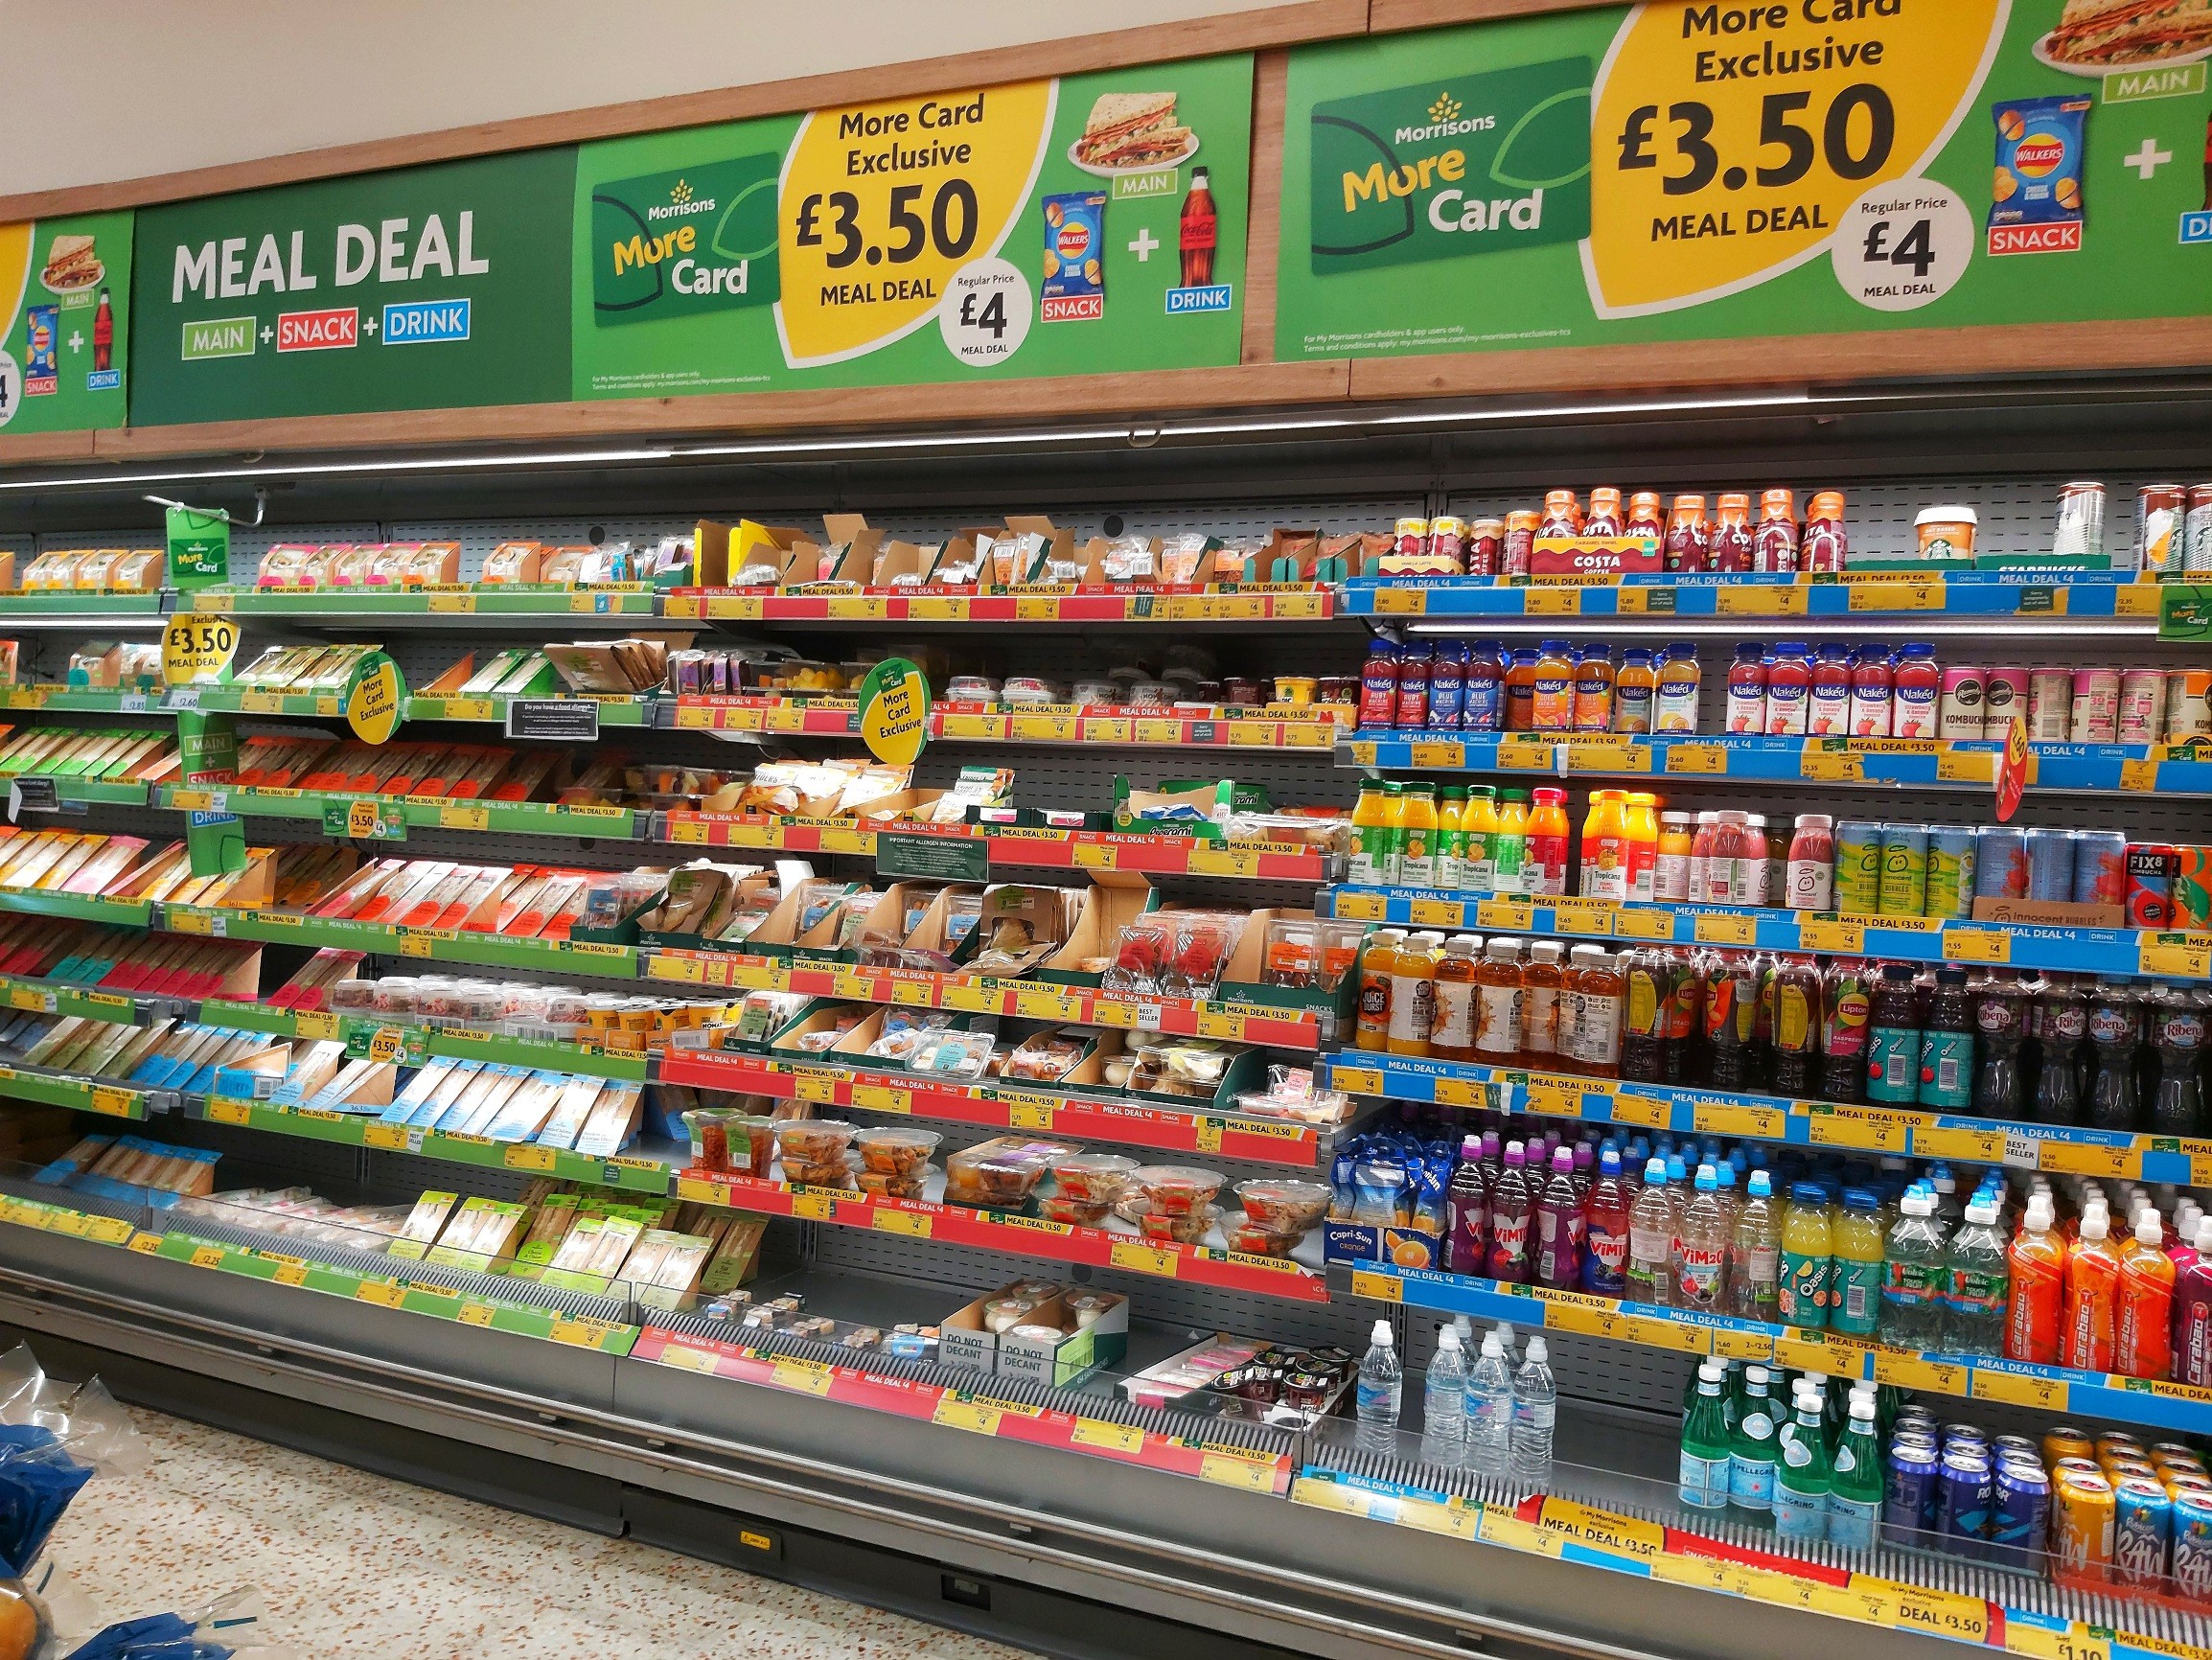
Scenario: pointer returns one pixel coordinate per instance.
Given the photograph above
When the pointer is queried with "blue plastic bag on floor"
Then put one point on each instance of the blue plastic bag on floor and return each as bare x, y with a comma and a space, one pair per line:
232, 1626
53, 1439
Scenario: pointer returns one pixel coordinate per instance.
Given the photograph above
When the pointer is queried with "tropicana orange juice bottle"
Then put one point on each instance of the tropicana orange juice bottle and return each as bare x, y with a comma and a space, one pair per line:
1606, 850
1642, 811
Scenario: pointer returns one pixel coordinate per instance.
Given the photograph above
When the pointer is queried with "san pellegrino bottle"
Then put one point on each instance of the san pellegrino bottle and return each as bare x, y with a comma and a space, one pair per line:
1801, 1480
1751, 1452
1855, 1484
1705, 1450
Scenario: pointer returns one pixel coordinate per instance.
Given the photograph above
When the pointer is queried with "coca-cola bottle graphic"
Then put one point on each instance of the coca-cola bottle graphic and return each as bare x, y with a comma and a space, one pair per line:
1199, 231
103, 336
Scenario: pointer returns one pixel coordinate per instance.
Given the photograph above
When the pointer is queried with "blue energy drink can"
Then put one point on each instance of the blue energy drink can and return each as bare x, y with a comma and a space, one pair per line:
2051, 865
1909, 1489
2142, 1533
1950, 871
1966, 1493
2021, 1519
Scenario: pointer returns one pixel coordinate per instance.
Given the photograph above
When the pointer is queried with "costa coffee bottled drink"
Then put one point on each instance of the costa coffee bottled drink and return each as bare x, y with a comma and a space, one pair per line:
1688, 539
1604, 516
1774, 547
1733, 543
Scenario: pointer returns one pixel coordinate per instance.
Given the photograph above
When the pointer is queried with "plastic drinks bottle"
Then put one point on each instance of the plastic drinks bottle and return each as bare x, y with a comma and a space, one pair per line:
1913, 1277
1976, 1275
1544, 863
2092, 1297
1545, 1028
1751, 1452
1674, 706
1370, 831
1412, 1009
1479, 832
1512, 1207
1378, 1393
1558, 1262
1855, 1300
1445, 1405
1642, 813
1605, 851
1499, 990
1703, 1483
1467, 1211
1452, 1027
1377, 962
1535, 1411
2143, 1338
1451, 838
1855, 1484
1605, 1240
1650, 1271
1688, 539
1802, 1478
1510, 845
2193, 1313
1704, 1246
1489, 1408
1552, 703
1747, 689
1807, 1257
2176, 1030
1755, 1264
1417, 851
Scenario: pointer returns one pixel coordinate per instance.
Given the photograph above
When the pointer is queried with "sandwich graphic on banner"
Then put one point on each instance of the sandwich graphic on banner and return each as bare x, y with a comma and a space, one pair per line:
2113, 34
71, 264
1133, 130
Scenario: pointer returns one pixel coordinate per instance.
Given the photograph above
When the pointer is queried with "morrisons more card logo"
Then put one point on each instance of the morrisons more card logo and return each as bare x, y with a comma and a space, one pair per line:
1465, 164
672, 244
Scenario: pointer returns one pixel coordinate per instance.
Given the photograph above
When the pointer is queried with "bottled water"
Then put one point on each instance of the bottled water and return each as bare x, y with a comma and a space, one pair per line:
1489, 1409
1445, 1405
1536, 1410
1380, 1391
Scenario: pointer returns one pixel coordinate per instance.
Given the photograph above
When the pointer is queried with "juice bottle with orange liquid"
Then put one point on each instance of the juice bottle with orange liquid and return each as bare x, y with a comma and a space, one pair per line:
1605, 847
1552, 703
1378, 960
2037, 1265
1479, 839
1545, 869
1417, 849
1640, 808
2092, 1297
2143, 1335
1452, 1035
1413, 994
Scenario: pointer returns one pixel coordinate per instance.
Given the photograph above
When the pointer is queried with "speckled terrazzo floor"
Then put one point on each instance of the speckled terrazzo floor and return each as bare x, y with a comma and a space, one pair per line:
356, 1567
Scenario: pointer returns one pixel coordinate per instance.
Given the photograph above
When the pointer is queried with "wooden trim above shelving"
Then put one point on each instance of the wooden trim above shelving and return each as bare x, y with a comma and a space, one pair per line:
1282, 25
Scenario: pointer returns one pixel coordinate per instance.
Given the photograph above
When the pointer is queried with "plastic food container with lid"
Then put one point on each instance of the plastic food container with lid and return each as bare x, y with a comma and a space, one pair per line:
896, 1150
816, 1140
1283, 1205
1184, 1227
1177, 1189
729, 1142
1001, 1173
1076, 1213
897, 1184
1094, 1178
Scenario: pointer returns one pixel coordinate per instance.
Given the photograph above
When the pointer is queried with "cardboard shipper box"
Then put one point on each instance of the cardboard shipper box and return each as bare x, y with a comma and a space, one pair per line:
1052, 1340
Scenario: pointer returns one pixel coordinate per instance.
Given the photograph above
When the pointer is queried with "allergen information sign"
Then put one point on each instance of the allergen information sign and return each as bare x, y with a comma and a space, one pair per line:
1680, 172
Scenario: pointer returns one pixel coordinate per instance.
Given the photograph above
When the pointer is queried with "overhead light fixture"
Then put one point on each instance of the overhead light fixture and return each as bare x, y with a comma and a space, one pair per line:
318, 469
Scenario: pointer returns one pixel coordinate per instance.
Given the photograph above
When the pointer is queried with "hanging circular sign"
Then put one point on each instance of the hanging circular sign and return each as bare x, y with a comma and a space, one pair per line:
895, 711
374, 699
197, 648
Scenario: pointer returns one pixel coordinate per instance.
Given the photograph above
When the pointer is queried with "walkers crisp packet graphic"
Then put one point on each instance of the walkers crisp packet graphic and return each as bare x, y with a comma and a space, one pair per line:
670, 244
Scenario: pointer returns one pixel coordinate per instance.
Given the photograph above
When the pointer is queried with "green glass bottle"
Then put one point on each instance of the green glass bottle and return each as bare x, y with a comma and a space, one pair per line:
1802, 1480
1706, 1451
1751, 1453
1855, 1492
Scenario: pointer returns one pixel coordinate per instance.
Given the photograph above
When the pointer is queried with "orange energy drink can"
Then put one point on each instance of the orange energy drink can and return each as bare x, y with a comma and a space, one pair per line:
2114, 1441
2065, 1441
2084, 1515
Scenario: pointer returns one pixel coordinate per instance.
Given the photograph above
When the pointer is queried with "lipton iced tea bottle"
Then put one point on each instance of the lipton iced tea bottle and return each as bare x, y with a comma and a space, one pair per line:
1479, 833
1378, 960
1369, 865
1825, 546
1732, 538
1688, 539
1604, 517
1413, 994
1675, 709
1544, 869
1543, 1005
1605, 848
1552, 702
1418, 835
1498, 989
1774, 547
1521, 692
1562, 514
1643, 979
1797, 1016
1594, 690
1509, 843
1452, 1032
1635, 692
1642, 813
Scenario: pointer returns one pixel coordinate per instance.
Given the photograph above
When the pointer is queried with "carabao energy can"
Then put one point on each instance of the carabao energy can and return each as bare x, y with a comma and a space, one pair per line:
1859, 868
1950, 871
1904, 889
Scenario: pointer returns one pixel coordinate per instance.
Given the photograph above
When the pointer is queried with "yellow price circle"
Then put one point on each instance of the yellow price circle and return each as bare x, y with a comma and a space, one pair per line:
196, 648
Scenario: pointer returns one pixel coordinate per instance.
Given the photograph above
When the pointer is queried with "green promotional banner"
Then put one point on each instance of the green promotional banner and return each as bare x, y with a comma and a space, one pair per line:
65, 307
1049, 227
1691, 171
421, 287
